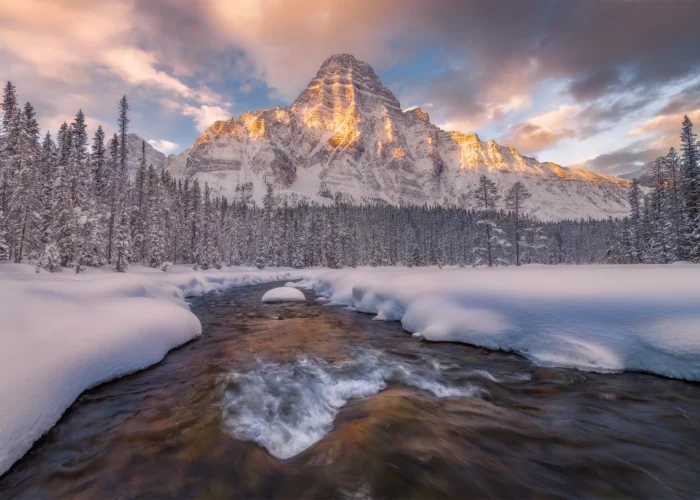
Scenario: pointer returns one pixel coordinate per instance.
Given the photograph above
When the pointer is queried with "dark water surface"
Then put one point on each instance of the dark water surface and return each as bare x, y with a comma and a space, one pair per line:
254, 409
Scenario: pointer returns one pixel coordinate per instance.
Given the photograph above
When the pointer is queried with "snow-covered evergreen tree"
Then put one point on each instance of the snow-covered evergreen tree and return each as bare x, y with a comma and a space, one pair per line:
122, 245
487, 251
690, 177
515, 200
634, 230
98, 164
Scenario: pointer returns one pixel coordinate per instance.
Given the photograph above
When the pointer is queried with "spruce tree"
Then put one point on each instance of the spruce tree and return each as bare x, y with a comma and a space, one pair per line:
98, 164
690, 178
122, 244
515, 200
635, 227
115, 182
487, 196
123, 126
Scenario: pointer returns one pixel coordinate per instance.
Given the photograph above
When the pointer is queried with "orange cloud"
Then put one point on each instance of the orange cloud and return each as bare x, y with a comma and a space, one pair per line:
544, 130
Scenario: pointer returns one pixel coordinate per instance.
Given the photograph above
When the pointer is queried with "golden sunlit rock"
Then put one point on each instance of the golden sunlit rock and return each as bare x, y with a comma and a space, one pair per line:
389, 128
461, 138
422, 114
202, 139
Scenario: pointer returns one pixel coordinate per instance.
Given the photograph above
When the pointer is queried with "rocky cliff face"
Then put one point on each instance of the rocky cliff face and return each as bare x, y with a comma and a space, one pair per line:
346, 133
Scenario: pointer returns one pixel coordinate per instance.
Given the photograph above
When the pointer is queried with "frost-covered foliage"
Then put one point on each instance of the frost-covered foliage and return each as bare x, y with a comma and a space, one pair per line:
597, 318
61, 334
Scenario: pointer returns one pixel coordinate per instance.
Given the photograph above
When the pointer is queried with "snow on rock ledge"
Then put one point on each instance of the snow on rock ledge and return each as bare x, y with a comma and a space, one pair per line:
597, 318
283, 294
61, 334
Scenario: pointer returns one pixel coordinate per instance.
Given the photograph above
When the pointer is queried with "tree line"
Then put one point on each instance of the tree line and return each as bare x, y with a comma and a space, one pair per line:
71, 203
664, 221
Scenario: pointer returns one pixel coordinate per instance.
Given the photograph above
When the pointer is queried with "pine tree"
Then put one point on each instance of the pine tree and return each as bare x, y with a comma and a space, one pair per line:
98, 164
63, 213
487, 196
674, 200
634, 233
10, 110
115, 179
515, 202
142, 193
123, 126
78, 173
122, 245
4, 247
156, 238
49, 260
25, 197
48, 178
690, 178
413, 257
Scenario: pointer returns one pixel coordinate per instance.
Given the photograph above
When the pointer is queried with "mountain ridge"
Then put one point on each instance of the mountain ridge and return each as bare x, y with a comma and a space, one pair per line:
346, 133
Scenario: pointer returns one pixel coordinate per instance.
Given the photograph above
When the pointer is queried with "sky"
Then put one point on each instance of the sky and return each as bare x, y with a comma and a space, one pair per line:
602, 85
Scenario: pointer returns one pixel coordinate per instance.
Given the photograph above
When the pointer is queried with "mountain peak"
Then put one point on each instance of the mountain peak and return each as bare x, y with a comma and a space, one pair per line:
341, 60
343, 87
347, 133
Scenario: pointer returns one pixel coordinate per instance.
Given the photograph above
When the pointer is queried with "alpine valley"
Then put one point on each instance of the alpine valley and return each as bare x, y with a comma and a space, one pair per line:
346, 135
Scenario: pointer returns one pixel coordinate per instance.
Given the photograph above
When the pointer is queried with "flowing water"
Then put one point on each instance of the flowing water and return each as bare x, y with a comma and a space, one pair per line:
313, 401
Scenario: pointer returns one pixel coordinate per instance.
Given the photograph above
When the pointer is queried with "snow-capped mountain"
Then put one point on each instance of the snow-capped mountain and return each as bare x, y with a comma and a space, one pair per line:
133, 156
346, 133
644, 176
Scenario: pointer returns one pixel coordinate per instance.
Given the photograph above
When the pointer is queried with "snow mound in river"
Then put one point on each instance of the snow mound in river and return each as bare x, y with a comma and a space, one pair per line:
597, 318
283, 294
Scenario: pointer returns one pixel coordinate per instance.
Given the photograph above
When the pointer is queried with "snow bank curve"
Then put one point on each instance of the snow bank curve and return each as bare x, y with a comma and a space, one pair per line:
61, 334
596, 318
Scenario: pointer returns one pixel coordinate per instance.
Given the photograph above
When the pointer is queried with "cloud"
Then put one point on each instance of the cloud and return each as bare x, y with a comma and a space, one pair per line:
489, 61
665, 123
83, 44
164, 146
137, 67
631, 157
594, 84
205, 115
544, 130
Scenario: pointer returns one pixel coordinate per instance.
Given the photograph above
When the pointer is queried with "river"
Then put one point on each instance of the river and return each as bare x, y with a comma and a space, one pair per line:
308, 400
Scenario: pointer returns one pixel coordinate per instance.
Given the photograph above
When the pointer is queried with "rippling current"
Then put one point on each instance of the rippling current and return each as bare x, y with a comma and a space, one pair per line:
313, 401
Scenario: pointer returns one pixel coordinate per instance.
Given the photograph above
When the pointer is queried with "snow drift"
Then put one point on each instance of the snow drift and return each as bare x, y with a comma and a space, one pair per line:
283, 294
597, 318
61, 334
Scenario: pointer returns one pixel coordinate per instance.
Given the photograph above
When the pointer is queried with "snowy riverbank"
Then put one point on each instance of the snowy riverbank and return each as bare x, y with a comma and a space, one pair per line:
598, 318
63, 333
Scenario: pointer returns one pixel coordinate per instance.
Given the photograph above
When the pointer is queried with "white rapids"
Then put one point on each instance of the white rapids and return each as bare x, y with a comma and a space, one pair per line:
286, 408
